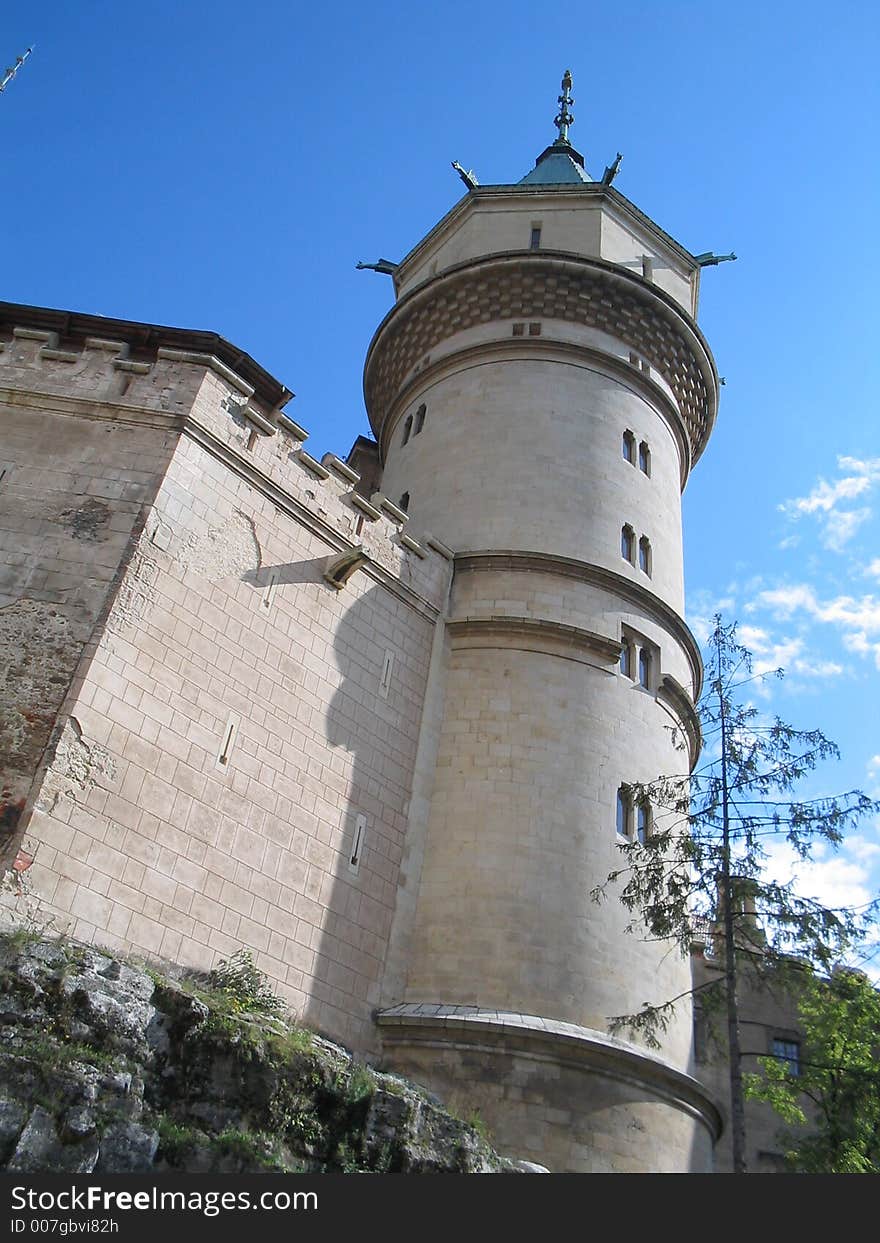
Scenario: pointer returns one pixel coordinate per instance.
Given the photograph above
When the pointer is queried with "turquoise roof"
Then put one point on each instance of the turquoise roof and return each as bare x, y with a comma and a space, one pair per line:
559, 165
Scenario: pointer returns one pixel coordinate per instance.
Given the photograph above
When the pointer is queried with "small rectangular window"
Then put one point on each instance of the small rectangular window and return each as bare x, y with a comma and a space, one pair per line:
535, 239
230, 733
643, 823
269, 593
534, 330
385, 680
519, 330
623, 810
701, 1036
357, 844
628, 544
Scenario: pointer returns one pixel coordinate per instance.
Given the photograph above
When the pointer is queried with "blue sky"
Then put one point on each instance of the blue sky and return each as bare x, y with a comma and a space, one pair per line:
223, 166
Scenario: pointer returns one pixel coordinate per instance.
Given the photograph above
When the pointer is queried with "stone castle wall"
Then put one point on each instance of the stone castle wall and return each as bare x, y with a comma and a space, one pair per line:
229, 721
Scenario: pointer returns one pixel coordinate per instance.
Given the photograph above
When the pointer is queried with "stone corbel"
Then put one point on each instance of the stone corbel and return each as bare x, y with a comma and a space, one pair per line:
339, 569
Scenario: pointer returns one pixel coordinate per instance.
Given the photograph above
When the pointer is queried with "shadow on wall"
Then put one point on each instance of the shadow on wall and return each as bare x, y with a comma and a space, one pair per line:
359, 708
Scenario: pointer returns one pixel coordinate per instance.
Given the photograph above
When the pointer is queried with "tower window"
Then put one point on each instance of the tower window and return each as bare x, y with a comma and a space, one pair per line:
404, 502
645, 555
535, 239
407, 429
628, 544
626, 659
420, 418
623, 812
629, 448
645, 668
644, 458
643, 823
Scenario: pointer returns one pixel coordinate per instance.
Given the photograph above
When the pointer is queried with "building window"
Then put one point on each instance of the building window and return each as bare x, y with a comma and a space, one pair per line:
645, 555
385, 679
788, 1052
645, 668
420, 418
629, 447
229, 738
701, 1035
404, 502
535, 238
628, 544
626, 659
644, 458
407, 429
357, 844
623, 812
643, 823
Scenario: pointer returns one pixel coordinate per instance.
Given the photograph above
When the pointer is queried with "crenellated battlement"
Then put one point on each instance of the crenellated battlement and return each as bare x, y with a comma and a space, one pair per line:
201, 396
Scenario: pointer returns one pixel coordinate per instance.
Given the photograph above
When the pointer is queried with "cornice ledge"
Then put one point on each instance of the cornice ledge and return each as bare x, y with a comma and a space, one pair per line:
438, 293
557, 638
597, 575
677, 699
98, 409
583, 1047
212, 363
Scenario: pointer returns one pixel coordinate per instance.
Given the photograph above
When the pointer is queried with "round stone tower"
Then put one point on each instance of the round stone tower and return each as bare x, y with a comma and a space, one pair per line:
540, 392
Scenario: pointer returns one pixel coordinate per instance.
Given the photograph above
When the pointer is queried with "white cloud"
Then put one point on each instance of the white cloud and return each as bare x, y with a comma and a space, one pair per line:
753, 637
838, 525
835, 880
841, 526
857, 618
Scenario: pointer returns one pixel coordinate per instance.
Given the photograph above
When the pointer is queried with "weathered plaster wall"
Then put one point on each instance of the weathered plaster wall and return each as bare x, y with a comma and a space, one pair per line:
73, 494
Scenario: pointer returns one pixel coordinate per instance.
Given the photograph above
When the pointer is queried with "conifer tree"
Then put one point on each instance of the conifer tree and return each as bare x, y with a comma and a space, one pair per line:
707, 854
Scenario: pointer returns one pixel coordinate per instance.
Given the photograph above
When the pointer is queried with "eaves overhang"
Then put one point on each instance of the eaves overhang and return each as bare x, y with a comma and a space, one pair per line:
594, 191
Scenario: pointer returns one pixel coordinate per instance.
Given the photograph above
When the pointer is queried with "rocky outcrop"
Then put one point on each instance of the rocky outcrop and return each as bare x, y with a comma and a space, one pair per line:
111, 1067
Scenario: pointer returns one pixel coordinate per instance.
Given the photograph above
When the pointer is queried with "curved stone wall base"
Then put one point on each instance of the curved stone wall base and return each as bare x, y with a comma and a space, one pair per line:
572, 1099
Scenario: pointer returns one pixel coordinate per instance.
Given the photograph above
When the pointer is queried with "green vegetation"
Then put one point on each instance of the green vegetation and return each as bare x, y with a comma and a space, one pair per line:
835, 1087
245, 986
706, 851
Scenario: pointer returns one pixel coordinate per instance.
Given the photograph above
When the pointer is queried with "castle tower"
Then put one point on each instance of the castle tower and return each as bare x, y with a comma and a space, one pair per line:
540, 392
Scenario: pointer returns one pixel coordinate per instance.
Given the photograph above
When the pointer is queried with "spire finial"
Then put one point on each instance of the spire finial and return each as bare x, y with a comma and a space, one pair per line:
564, 118
13, 70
